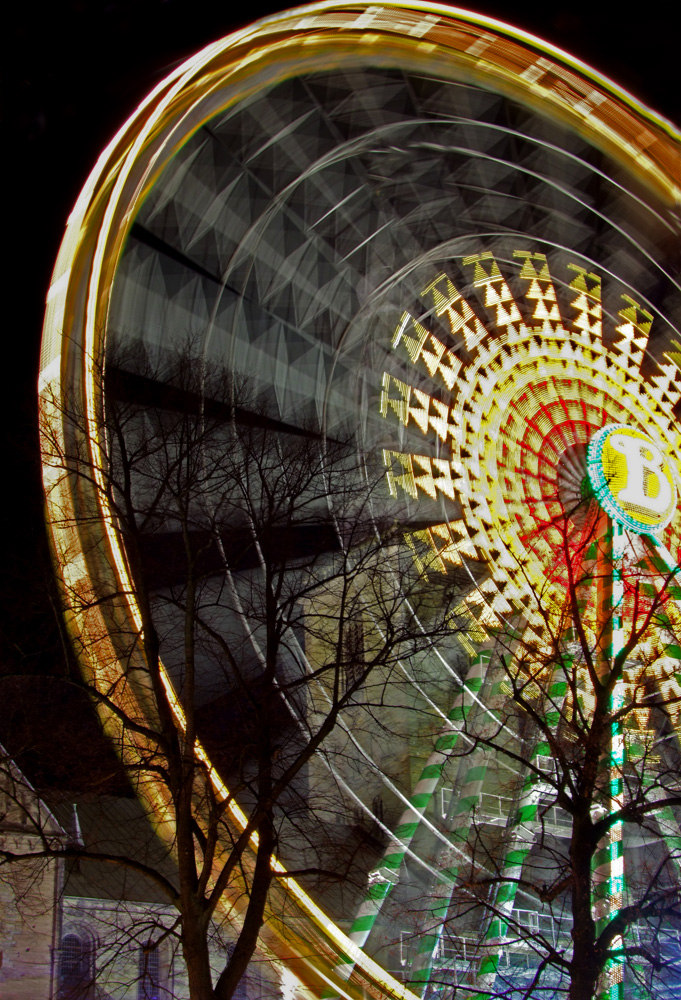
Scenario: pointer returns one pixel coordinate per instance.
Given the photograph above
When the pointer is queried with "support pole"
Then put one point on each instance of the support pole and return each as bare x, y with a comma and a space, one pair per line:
386, 875
608, 876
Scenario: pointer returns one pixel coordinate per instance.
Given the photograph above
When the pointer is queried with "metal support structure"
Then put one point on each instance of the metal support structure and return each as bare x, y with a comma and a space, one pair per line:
523, 835
608, 875
386, 875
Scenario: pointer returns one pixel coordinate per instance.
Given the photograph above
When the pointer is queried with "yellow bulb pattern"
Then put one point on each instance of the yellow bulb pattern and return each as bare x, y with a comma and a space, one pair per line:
519, 394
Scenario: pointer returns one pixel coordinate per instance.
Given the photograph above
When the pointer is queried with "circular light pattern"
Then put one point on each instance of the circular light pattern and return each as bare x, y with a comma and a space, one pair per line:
295, 198
631, 478
533, 414
519, 412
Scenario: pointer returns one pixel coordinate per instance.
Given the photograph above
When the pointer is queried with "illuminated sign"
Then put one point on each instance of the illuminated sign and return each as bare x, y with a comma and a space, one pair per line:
631, 478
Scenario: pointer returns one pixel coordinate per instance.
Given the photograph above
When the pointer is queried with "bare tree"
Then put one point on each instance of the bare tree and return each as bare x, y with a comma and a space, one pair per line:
573, 763
271, 607
249, 594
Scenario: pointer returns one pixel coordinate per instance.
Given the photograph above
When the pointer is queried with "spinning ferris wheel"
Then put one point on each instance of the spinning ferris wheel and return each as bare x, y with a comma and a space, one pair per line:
463, 244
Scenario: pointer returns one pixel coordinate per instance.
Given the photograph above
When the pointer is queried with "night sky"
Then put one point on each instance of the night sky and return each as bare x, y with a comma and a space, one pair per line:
74, 72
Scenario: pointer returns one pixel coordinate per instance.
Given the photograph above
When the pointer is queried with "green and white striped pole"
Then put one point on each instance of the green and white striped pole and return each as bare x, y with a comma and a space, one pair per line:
666, 566
608, 870
440, 898
635, 486
389, 867
522, 838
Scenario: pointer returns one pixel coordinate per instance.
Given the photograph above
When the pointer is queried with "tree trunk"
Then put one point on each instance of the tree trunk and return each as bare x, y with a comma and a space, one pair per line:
196, 956
250, 932
585, 967
262, 878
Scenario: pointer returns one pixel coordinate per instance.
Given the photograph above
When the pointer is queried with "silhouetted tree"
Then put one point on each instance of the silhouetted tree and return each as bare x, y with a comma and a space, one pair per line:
251, 589
570, 756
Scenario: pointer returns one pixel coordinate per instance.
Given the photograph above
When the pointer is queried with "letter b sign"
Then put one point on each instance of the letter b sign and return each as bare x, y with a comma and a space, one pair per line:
631, 478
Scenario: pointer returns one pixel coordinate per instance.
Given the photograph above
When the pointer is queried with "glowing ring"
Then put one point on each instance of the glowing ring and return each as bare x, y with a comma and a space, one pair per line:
451, 44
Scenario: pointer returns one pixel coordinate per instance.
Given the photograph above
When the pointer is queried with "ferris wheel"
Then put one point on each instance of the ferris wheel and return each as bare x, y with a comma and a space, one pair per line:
462, 243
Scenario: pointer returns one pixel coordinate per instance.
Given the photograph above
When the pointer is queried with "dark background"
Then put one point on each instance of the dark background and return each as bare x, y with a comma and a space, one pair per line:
75, 71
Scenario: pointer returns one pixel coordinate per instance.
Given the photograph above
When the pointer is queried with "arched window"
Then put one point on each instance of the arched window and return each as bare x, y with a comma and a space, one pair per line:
148, 984
76, 968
